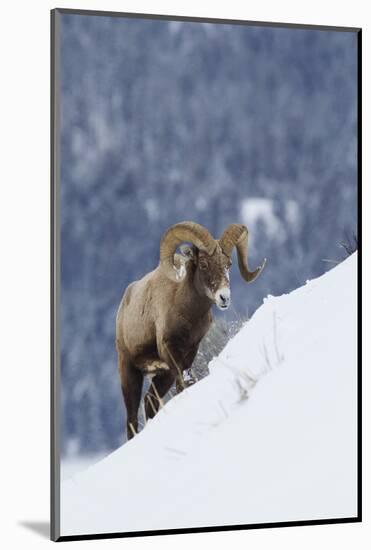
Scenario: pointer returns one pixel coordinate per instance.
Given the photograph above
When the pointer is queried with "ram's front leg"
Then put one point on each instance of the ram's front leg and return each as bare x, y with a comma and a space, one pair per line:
179, 357
160, 385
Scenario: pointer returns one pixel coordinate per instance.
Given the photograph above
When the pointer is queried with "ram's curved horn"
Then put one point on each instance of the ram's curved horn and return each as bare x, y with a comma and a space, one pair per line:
179, 233
236, 236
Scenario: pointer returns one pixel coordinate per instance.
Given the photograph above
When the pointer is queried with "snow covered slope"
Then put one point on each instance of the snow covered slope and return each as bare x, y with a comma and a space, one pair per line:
269, 436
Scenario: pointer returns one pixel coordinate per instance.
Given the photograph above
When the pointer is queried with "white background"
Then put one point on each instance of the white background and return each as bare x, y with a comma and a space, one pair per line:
24, 272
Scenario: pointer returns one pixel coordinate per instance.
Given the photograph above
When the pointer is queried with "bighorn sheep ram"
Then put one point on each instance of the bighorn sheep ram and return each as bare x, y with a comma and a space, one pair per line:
163, 317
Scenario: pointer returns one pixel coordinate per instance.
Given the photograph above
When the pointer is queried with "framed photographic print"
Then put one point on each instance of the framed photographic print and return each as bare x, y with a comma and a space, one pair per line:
205, 266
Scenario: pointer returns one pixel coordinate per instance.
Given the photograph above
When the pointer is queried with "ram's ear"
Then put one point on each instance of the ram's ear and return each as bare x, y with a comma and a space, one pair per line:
187, 251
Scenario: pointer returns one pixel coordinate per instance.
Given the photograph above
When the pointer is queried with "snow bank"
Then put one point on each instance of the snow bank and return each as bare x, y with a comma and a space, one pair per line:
269, 436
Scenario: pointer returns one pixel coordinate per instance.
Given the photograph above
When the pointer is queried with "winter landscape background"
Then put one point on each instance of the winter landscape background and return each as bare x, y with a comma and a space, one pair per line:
168, 121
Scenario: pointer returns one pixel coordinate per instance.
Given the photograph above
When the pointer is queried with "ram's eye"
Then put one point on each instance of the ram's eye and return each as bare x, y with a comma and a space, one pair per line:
203, 264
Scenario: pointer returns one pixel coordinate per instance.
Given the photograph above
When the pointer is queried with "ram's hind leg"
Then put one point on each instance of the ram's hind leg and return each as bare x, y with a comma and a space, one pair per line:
161, 383
131, 386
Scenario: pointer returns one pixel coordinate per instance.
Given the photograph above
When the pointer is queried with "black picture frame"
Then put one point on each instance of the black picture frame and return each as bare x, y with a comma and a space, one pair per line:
55, 276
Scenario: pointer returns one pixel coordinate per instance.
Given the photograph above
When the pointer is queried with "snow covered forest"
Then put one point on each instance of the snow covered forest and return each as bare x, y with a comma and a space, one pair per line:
269, 436
167, 121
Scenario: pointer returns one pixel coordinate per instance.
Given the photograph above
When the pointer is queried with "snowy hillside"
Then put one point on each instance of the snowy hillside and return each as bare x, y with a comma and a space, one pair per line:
269, 436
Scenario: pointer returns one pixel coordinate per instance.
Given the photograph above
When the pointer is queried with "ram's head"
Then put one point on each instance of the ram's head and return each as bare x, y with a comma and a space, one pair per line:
210, 258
